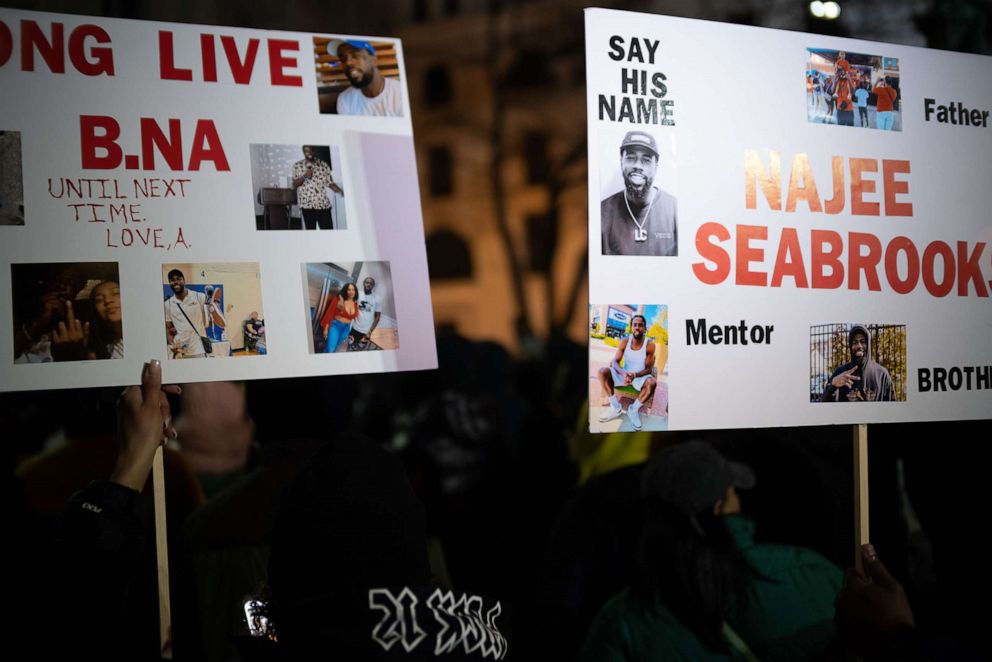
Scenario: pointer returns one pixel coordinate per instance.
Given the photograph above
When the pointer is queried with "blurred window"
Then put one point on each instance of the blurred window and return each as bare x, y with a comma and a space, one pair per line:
448, 256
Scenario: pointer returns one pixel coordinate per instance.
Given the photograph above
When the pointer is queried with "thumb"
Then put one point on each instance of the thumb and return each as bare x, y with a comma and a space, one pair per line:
151, 383
875, 569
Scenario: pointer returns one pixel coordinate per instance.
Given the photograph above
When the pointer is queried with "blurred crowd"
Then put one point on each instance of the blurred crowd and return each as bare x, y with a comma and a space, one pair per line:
289, 501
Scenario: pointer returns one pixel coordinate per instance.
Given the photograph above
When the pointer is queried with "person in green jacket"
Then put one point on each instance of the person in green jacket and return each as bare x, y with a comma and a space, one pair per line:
705, 590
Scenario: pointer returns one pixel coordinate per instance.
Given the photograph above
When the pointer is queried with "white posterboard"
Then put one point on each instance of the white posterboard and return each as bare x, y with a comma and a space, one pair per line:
135, 155
801, 222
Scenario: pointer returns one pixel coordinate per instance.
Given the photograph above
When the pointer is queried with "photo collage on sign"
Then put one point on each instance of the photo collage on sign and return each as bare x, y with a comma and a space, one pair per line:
74, 311
806, 244
638, 216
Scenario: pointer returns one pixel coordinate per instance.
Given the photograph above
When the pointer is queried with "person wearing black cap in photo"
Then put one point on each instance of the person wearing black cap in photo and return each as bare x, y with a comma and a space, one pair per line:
641, 219
370, 93
861, 378
704, 590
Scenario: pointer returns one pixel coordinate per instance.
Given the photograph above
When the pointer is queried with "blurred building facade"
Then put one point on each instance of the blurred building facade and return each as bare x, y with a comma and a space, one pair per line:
499, 120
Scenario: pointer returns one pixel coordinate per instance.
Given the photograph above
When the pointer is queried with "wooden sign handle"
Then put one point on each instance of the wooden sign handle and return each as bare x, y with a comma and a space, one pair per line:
860, 491
162, 555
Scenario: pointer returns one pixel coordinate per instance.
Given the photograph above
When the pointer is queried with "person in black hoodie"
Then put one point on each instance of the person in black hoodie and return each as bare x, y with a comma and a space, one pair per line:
861, 379
349, 572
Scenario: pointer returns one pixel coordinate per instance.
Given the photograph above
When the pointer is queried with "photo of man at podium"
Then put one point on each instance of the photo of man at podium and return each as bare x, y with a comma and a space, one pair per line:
293, 193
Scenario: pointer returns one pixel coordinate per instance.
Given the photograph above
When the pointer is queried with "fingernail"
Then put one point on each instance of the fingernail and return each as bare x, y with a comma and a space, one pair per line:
175, 434
156, 363
166, 423
870, 552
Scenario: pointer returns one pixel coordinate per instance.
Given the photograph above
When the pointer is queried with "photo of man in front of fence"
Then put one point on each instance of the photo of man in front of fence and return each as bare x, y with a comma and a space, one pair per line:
861, 379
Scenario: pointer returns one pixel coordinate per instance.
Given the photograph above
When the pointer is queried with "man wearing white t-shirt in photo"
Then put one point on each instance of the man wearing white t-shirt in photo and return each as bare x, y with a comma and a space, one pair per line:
370, 93
185, 318
631, 366
369, 312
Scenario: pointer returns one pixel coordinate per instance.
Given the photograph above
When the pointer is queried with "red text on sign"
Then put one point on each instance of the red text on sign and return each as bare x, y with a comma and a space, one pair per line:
864, 182
100, 148
281, 52
85, 54
857, 261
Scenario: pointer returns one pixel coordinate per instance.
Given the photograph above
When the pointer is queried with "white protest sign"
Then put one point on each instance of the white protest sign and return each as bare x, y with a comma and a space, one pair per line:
181, 192
784, 228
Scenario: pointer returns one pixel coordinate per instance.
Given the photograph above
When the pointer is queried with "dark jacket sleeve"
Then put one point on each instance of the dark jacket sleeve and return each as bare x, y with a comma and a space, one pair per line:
87, 569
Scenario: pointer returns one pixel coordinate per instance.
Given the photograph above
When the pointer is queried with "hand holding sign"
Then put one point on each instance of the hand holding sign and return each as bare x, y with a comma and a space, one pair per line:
144, 422
873, 614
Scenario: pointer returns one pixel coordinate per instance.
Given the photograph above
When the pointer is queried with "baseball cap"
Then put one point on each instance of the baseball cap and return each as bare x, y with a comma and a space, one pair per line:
640, 139
693, 476
334, 44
